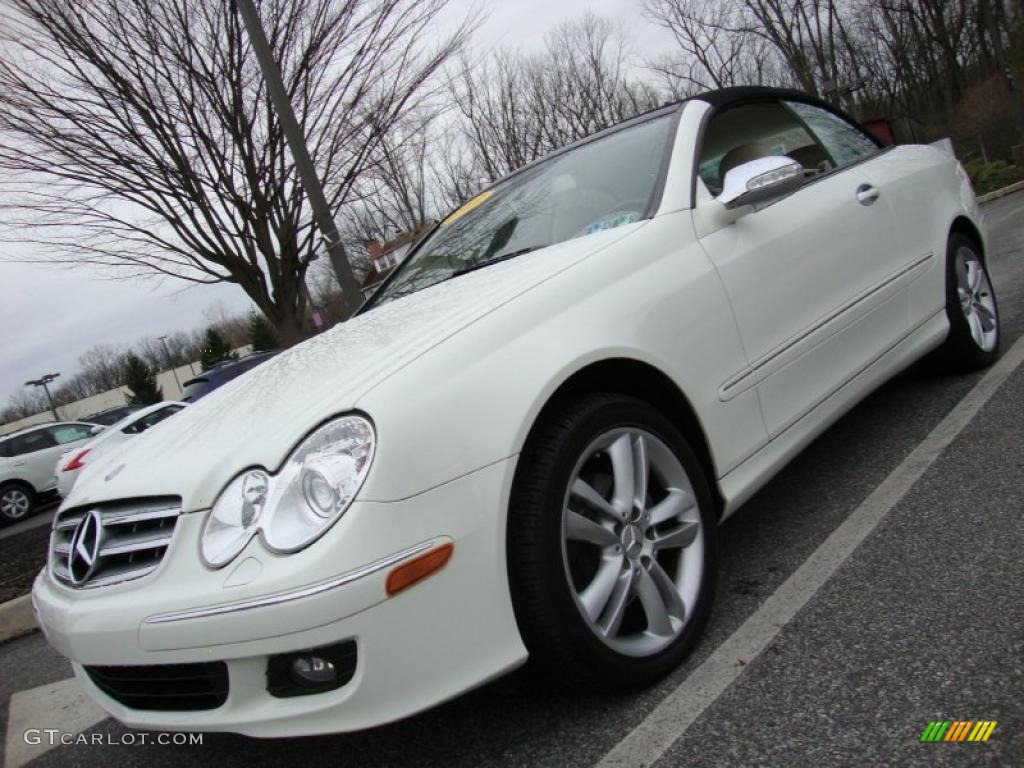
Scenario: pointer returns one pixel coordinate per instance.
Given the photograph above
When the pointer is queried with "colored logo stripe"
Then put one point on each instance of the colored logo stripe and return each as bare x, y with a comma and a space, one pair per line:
935, 730
958, 730
982, 730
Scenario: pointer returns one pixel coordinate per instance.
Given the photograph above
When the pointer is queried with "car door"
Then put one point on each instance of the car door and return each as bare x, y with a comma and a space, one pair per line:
34, 455
810, 276
913, 182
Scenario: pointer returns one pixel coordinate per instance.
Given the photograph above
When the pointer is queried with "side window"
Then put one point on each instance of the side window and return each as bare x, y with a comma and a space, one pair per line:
30, 442
68, 433
844, 141
151, 419
746, 132
5, 448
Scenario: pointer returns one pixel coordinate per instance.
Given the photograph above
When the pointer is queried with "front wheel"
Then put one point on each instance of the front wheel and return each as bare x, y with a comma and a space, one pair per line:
973, 340
16, 502
611, 544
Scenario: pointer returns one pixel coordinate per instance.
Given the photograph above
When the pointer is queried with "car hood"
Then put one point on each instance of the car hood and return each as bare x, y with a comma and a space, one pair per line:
259, 417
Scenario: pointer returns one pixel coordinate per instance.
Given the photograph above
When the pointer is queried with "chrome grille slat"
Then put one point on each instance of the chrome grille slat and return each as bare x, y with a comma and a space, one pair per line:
126, 518
134, 536
120, 545
118, 575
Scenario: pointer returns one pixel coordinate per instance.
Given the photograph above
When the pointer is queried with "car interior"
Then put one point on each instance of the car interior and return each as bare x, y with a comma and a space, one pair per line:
748, 132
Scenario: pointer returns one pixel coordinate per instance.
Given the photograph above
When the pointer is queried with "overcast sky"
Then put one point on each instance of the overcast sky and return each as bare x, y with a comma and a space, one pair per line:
50, 315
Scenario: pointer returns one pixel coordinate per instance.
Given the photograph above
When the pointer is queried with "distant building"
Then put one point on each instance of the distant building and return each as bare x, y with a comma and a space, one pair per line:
385, 257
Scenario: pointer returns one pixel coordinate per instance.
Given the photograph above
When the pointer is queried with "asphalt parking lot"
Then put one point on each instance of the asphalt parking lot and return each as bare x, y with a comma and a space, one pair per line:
923, 621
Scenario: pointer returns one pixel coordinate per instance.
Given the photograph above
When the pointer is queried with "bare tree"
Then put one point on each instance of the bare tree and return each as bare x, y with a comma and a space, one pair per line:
514, 107
137, 135
396, 193
24, 403
714, 48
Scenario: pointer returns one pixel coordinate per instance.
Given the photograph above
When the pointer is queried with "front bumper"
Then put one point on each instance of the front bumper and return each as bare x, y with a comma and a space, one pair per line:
442, 636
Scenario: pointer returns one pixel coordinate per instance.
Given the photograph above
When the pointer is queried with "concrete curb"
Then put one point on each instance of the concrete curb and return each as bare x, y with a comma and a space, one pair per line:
1001, 192
16, 618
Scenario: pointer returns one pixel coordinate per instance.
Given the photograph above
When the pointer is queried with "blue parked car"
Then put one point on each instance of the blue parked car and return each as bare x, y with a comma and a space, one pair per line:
221, 374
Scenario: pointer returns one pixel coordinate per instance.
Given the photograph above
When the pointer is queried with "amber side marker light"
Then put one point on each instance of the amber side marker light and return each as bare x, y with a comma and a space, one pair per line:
417, 569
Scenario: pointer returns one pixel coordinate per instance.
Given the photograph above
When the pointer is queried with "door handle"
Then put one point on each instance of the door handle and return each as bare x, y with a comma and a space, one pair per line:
866, 194
18, 464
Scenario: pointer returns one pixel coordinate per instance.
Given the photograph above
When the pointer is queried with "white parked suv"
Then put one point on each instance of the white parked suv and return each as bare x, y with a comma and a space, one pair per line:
523, 444
27, 461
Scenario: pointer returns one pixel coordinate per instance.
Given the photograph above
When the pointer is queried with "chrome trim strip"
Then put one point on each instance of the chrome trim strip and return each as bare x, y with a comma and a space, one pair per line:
821, 401
302, 592
727, 390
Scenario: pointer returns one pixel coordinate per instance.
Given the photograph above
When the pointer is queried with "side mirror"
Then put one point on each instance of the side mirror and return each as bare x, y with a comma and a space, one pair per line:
96, 430
760, 180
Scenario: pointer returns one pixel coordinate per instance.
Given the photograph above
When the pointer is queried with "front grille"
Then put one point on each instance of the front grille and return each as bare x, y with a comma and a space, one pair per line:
165, 687
123, 540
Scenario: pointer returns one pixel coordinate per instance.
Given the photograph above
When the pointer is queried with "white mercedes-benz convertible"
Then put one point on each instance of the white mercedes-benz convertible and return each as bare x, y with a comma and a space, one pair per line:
523, 444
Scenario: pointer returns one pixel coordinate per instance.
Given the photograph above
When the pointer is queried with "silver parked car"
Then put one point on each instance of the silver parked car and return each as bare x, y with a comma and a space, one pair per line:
27, 460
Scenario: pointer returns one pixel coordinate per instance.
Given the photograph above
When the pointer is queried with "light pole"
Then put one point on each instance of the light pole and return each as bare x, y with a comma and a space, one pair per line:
300, 154
42, 381
163, 340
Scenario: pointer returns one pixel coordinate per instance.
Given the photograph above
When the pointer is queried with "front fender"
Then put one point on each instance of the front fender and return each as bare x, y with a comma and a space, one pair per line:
654, 297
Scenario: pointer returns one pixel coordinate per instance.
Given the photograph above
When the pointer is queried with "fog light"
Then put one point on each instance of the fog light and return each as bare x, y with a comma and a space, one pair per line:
315, 670
312, 670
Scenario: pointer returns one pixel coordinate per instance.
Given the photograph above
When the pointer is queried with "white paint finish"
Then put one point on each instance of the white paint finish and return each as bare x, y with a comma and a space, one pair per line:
454, 377
677, 195
789, 265
740, 484
669, 721
63, 705
110, 439
414, 649
233, 427
509, 367
106, 626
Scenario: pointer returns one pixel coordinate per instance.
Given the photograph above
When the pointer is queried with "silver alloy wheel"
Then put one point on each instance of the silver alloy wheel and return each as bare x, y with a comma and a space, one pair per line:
976, 301
632, 541
14, 503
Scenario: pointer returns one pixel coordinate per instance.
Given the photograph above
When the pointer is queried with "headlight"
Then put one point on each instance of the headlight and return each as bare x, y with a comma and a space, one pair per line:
308, 494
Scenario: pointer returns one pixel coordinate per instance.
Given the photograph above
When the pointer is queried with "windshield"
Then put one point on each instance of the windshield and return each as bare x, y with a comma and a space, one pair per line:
602, 184
194, 389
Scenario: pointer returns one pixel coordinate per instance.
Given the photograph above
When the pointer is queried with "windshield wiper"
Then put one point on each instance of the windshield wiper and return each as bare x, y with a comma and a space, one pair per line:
494, 260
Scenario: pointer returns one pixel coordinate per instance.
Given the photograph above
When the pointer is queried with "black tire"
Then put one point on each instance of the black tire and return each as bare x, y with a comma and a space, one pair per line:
960, 352
558, 638
26, 492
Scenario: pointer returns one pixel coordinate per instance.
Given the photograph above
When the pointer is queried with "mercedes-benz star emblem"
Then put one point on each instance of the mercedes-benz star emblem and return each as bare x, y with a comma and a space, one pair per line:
84, 552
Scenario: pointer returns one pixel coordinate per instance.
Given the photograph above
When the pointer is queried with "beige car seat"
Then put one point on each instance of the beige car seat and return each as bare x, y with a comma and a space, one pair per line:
737, 156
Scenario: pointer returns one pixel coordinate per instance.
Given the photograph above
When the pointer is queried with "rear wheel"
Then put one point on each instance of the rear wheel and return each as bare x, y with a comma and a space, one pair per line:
16, 502
611, 544
971, 307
